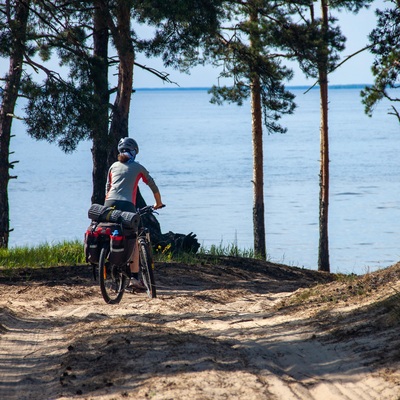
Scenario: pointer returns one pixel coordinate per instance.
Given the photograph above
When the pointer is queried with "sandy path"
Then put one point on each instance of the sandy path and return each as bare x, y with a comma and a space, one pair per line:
214, 332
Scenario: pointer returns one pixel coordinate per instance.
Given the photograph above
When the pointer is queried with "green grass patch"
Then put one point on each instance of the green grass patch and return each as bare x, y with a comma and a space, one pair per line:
165, 255
71, 253
44, 255
230, 250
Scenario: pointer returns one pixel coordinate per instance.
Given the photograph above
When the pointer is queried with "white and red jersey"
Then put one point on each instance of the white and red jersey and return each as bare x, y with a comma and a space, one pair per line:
123, 180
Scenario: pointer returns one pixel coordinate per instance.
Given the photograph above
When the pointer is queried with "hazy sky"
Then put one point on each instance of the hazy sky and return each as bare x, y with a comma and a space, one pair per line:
355, 71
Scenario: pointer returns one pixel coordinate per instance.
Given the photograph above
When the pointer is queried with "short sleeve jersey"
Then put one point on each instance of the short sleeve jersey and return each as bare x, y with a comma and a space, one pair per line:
123, 180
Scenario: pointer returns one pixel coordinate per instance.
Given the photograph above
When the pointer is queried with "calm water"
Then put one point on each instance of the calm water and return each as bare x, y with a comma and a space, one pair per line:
201, 157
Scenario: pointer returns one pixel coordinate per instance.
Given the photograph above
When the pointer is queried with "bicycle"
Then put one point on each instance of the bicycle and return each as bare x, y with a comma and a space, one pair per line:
113, 266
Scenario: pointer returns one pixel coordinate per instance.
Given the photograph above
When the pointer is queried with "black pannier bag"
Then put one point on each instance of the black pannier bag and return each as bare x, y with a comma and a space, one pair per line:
92, 245
121, 246
95, 236
121, 242
101, 213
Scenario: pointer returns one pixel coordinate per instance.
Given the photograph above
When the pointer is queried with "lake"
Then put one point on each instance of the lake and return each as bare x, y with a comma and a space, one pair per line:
200, 155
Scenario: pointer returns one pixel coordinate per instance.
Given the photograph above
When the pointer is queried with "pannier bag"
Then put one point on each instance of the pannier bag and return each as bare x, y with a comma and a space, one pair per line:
121, 246
121, 243
96, 234
92, 245
101, 213
117, 248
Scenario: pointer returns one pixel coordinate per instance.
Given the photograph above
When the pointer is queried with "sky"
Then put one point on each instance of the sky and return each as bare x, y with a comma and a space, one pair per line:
355, 71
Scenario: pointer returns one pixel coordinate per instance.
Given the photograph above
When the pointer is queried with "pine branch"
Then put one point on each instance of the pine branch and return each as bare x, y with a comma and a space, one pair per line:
36, 66
162, 75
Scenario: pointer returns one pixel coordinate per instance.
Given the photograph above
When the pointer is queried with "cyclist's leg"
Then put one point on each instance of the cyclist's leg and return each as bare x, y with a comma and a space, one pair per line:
134, 258
134, 268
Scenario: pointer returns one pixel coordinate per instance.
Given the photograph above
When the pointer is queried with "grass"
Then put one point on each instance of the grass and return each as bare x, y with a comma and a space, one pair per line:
45, 255
214, 251
230, 250
71, 253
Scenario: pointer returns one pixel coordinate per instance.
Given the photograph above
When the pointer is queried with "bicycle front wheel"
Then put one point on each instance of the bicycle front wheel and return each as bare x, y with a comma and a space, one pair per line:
112, 280
146, 268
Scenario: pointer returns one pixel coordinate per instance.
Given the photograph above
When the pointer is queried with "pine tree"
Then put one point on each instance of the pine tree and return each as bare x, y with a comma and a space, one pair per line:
243, 46
13, 36
316, 42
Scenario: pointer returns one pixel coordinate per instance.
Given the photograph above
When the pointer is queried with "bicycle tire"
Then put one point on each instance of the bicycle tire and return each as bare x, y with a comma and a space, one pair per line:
111, 279
146, 268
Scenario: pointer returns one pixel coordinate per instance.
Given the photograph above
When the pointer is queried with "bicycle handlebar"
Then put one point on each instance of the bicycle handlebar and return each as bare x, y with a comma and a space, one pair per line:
147, 209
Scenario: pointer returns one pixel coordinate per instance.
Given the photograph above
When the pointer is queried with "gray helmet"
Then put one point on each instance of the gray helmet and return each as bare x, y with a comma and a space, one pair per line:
128, 144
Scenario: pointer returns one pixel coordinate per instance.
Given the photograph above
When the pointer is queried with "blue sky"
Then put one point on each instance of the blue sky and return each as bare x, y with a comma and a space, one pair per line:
355, 71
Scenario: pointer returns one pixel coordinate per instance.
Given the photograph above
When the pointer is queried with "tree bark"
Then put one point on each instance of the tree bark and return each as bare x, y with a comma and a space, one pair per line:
121, 33
258, 157
258, 171
101, 104
10, 95
323, 250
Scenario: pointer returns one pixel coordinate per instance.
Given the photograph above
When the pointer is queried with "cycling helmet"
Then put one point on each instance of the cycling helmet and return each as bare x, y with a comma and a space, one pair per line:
128, 144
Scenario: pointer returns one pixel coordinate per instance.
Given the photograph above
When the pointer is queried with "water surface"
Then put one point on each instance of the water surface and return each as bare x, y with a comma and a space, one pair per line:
201, 157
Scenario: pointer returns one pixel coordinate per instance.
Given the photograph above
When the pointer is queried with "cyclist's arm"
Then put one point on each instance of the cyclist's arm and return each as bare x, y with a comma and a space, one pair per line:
159, 203
148, 180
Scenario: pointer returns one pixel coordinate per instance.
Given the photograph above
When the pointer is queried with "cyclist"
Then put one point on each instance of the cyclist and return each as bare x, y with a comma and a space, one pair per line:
121, 189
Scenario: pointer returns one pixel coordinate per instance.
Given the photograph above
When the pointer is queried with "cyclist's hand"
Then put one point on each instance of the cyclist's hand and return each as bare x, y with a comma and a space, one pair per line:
158, 205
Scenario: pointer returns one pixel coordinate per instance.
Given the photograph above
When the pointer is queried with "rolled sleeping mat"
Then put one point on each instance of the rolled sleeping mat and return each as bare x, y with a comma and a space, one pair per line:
101, 213
130, 220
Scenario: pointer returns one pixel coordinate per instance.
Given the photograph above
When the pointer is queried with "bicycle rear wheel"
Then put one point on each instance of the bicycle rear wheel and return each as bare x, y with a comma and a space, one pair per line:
111, 279
146, 268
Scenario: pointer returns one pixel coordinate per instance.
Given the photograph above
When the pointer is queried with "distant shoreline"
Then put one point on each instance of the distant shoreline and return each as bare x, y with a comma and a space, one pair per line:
303, 87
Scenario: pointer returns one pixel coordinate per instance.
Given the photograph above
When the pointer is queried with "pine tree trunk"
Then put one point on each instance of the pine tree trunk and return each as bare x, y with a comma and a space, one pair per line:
258, 157
323, 250
323, 253
10, 95
126, 55
102, 99
258, 171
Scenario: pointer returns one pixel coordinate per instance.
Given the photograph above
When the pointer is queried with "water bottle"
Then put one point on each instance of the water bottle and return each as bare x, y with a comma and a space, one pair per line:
117, 247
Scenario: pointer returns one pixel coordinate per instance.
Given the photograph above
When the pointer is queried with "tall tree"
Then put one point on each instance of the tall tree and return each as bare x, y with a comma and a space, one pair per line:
385, 46
102, 99
332, 42
13, 22
243, 47
260, 247
316, 42
323, 70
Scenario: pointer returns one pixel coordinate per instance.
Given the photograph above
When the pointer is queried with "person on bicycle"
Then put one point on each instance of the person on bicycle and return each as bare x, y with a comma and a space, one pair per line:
121, 189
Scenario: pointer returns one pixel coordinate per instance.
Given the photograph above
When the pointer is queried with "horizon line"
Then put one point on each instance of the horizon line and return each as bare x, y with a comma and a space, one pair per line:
336, 86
